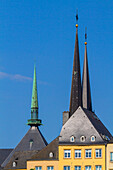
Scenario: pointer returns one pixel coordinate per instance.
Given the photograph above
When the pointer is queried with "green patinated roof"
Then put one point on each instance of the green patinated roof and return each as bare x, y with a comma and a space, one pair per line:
34, 101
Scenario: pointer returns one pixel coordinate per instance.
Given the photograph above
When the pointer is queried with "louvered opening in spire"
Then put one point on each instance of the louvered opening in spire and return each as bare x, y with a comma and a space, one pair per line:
86, 92
75, 99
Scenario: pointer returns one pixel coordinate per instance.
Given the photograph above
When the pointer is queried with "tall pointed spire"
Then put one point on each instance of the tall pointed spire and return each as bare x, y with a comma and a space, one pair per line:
75, 99
86, 93
34, 121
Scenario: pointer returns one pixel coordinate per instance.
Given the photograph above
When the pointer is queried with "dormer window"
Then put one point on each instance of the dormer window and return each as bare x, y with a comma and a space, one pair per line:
93, 138
14, 164
82, 138
51, 154
31, 143
72, 139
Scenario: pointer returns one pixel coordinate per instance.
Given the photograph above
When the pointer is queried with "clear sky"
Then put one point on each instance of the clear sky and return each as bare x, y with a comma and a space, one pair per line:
45, 31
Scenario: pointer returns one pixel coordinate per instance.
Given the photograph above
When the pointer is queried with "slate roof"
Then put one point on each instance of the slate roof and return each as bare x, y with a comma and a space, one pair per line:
84, 123
44, 153
4, 154
24, 150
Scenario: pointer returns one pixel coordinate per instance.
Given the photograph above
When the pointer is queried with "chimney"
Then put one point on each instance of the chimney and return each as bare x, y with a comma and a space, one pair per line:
65, 116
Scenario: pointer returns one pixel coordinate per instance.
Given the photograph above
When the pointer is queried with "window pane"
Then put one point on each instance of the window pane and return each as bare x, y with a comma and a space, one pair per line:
50, 168
38, 168
77, 167
111, 156
88, 153
98, 167
87, 167
66, 167
98, 153
67, 153
77, 153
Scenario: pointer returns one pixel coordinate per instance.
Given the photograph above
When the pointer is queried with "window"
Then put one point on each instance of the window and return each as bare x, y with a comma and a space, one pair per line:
78, 153
93, 138
111, 156
38, 168
31, 143
98, 167
77, 167
72, 139
51, 154
14, 164
50, 168
82, 138
66, 167
67, 153
87, 167
88, 153
98, 153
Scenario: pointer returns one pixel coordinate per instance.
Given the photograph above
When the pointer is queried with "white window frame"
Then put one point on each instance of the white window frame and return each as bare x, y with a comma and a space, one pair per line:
98, 167
82, 138
98, 153
67, 153
88, 153
50, 167
14, 164
88, 167
77, 153
72, 139
93, 138
77, 167
66, 167
38, 168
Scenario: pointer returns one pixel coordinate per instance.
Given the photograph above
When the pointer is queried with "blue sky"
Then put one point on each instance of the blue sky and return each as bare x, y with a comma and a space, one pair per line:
44, 31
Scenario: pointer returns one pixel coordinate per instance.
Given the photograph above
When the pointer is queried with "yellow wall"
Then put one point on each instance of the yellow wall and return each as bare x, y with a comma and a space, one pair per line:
109, 163
81, 161
44, 164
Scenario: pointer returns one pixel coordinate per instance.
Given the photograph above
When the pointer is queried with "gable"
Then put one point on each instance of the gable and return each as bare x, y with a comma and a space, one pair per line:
80, 125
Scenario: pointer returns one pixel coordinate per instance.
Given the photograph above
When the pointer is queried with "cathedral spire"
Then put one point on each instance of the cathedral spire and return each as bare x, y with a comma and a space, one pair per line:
86, 93
75, 99
34, 121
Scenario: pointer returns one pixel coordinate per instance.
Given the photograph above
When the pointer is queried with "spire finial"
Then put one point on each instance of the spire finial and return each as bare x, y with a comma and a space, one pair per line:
76, 18
34, 121
85, 36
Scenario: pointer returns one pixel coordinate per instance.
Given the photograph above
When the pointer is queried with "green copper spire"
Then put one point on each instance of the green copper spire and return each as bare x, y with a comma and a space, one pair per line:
34, 101
34, 121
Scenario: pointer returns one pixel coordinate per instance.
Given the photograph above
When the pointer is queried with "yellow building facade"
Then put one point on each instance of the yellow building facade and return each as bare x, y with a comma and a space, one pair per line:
42, 165
82, 162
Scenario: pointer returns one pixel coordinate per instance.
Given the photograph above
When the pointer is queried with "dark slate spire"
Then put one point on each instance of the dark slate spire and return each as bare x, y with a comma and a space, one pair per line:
75, 99
34, 121
86, 93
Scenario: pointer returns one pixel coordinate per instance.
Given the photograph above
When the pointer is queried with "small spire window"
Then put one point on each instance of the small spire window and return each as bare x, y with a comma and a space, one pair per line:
31, 143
